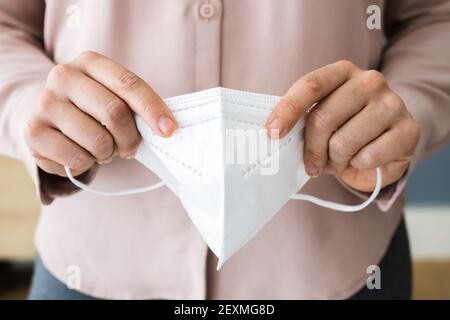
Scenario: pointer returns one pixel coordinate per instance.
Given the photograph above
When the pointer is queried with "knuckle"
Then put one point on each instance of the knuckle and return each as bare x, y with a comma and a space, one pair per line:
346, 64
60, 73
115, 112
103, 144
31, 130
318, 119
46, 97
339, 144
312, 83
373, 80
128, 81
369, 159
46, 101
413, 131
392, 103
86, 57
131, 147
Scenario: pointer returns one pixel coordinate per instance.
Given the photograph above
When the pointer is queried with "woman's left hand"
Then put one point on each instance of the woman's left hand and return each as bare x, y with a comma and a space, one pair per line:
358, 124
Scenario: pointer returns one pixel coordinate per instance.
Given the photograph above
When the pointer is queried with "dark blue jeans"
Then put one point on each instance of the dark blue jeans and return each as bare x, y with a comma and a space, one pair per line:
395, 269
45, 286
395, 276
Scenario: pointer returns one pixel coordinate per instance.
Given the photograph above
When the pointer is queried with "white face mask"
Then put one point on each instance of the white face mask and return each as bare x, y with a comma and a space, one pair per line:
229, 176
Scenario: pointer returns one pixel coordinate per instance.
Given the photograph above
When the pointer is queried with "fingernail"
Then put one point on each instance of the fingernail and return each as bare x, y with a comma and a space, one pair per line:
106, 161
166, 125
275, 128
110, 158
130, 156
102, 162
311, 169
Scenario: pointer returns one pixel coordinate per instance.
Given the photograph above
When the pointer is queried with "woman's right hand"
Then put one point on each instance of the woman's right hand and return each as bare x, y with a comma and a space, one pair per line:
85, 115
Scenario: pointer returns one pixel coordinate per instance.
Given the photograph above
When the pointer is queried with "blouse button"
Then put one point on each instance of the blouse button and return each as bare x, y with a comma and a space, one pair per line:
207, 10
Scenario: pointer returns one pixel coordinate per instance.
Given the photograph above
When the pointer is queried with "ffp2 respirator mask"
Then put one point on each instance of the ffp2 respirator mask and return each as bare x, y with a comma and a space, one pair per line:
228, 174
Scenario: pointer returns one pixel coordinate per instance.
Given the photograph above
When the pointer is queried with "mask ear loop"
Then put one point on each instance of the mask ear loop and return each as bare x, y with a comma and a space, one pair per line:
343, 207
85, 187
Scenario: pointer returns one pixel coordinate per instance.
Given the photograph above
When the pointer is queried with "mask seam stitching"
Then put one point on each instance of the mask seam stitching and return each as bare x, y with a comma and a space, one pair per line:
224, 94
253, 167
176, 159
202, 104
243, 121
192, 124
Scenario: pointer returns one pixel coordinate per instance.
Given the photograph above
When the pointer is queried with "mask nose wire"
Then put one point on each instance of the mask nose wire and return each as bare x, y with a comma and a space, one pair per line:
85, 187
343, 207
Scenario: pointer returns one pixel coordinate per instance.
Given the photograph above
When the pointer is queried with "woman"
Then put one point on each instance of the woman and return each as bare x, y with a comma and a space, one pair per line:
92, 64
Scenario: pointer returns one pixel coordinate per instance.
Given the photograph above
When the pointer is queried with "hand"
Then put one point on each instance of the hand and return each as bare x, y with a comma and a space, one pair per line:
85, 115
358, 124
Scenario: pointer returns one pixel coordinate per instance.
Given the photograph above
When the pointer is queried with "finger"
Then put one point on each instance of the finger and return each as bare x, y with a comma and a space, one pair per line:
100, 103
47, 143
326, 117
397, 144
78, 126
359, 131
305, 92
132, 89
365, 180
53, 167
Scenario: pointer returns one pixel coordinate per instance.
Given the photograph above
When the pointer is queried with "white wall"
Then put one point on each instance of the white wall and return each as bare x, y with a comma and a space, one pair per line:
429, 231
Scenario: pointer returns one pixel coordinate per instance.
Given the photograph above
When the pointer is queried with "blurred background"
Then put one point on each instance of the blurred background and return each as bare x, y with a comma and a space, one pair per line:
427, 216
